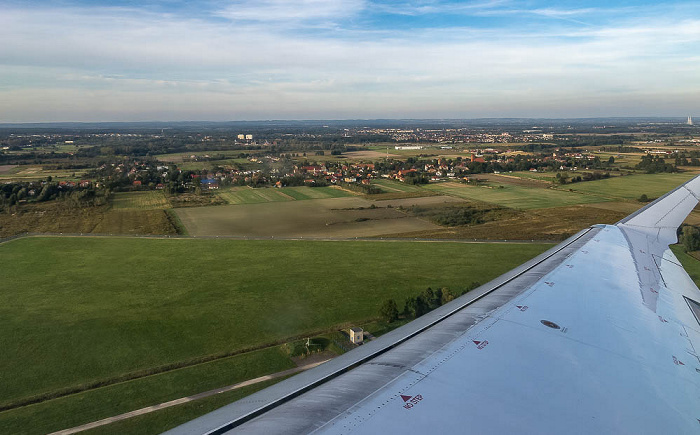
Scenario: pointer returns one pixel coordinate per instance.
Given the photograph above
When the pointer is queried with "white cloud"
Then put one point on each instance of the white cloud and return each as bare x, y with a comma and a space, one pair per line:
290, 10
89, 63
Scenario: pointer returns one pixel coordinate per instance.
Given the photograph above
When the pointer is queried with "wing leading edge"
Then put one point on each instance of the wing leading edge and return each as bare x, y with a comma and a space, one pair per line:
595, 335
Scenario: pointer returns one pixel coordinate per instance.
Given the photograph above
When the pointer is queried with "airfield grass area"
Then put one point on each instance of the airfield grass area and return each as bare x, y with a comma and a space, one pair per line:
96, 404
90, 310
632, 186
147, 200
515, 196
169, 418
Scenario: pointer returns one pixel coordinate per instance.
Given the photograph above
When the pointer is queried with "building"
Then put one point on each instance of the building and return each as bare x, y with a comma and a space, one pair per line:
356, 335
248, 137
690, 120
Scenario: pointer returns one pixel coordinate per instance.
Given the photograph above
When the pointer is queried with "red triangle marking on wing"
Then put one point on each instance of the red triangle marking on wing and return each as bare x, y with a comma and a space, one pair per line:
405, 398
476, 342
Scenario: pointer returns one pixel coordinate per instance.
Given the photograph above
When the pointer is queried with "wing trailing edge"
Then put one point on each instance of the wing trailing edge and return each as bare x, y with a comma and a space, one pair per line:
660, 219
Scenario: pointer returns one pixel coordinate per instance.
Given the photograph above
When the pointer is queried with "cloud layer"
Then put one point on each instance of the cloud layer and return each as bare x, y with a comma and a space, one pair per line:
276, 59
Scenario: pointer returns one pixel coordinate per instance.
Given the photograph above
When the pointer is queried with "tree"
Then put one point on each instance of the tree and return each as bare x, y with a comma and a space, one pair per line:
422, 306
409, 308
389, 311
690, 237
447, 296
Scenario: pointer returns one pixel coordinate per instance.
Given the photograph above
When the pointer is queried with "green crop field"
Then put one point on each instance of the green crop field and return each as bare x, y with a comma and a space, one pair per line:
632, 186
396, 186
248, 195
301, 193
516, 196
148, 200
82, 310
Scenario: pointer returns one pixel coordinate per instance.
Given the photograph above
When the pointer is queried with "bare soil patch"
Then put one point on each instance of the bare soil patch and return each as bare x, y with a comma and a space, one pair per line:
5, 169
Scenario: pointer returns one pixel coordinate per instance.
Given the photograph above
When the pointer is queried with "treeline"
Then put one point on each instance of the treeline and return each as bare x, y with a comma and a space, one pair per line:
563, 178
655, 164
425, 302
12, 194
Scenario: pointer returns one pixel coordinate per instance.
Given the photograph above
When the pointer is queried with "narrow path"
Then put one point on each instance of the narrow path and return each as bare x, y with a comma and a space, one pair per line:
182, 400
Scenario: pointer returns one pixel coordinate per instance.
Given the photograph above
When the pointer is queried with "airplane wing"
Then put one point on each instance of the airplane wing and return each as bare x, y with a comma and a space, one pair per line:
600, 334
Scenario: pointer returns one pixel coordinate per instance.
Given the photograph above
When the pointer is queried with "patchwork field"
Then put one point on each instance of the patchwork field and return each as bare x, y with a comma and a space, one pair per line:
515, 196
632, 186
148, 200
30, 173
248, 195
98, 311
6, 169
335, 217
395, 186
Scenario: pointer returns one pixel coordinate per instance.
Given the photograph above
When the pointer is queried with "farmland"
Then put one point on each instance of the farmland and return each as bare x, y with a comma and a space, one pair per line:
632, 186
31, 173
515, 196
334, 217
248, 195
148, 200
396, 186
98, 312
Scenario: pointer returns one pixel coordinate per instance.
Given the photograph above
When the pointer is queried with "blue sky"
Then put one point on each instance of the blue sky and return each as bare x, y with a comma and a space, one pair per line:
223, 60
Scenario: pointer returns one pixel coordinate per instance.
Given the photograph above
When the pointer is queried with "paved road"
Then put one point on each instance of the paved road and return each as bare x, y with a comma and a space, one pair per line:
182, 400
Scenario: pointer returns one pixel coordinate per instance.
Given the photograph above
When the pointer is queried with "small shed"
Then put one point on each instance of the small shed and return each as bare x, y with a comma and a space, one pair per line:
356, 335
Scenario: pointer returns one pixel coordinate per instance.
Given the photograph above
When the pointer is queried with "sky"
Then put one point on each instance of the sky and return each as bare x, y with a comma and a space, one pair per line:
218, 60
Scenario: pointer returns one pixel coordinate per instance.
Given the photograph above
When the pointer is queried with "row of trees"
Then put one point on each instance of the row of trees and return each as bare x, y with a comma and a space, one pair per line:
425, 302
563, 178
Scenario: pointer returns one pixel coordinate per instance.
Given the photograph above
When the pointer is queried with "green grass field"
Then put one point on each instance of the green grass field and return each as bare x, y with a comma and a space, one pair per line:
516, 196
82, 310
247, 195
301, 193
31, 173
148, 200
77, 409
690, 264
395, 186
632, 186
